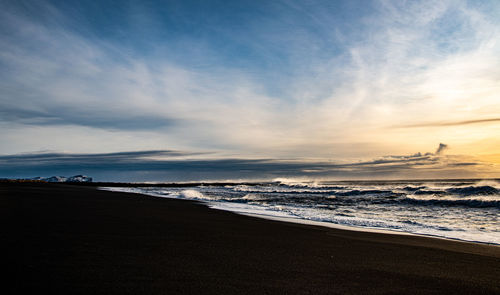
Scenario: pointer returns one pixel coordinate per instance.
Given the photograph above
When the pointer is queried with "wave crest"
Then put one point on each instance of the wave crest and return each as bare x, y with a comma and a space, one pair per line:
474, 190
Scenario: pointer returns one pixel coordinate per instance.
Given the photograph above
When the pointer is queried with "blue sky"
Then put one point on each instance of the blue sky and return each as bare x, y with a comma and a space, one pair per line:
337, 82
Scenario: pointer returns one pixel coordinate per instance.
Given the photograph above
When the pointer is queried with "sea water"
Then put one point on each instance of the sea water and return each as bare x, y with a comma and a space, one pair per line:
463, 210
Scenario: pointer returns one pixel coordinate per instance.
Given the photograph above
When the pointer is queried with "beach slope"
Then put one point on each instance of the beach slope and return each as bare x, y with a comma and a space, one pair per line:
79, 240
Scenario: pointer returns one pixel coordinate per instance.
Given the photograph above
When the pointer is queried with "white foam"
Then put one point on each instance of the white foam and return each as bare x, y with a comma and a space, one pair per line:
137, 190
430, 197
248, 209
490, 182
297, 182
358, 224
191, 194
253, 197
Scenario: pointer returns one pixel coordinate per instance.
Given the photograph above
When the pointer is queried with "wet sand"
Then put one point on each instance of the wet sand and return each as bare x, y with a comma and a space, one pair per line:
79, 240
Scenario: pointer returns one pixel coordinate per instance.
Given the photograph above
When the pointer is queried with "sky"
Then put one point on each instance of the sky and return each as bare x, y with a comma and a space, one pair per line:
209, 90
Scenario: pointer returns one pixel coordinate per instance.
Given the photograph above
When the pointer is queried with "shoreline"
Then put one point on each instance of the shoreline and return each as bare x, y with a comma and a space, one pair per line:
62, 238
215, 205
359, 228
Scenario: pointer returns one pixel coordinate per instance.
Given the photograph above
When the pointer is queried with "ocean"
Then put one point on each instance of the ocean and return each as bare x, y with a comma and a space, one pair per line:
467, 210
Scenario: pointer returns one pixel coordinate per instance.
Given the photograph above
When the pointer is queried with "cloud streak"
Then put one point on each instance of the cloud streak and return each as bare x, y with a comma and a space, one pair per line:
121, 157
445, 124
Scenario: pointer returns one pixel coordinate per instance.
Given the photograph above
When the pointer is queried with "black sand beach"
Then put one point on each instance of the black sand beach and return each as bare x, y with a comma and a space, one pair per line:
78, 240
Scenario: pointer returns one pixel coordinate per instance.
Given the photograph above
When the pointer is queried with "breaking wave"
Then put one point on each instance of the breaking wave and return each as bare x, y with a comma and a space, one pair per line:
474, 190
466, 210
465, 202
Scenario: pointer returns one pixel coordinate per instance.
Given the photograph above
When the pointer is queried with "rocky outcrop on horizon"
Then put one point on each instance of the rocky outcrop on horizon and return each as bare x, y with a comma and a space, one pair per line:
76, 178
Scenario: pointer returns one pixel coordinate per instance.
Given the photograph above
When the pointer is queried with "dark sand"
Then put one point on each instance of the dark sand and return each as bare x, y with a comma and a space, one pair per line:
78, 240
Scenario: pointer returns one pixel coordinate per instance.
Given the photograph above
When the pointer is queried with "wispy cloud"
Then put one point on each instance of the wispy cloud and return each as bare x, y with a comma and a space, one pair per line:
287, 79
128, 157
455, 123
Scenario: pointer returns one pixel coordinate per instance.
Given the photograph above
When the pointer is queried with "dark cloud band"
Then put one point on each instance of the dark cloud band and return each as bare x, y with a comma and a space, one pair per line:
164, 165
